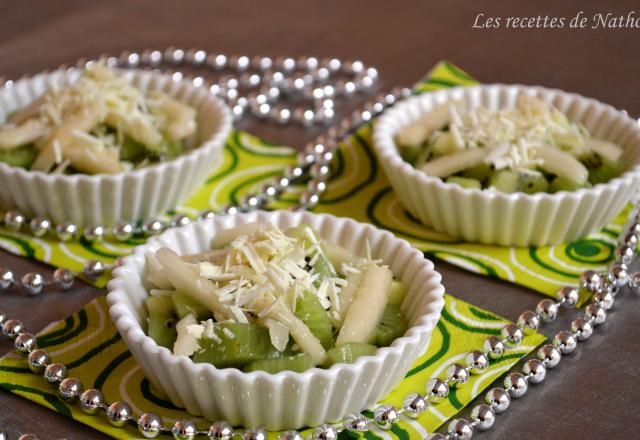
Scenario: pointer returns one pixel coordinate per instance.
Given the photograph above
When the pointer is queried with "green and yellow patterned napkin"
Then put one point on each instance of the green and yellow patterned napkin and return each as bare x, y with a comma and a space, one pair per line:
90, 345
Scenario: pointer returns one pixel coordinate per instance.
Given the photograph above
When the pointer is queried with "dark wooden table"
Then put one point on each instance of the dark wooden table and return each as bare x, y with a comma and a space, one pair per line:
595, 393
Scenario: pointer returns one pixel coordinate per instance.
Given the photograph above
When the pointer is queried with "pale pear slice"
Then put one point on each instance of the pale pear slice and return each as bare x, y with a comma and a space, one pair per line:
562, 164
301, 334
186, 278
366, 309
418, 131
15, 136
608, 150
445, 166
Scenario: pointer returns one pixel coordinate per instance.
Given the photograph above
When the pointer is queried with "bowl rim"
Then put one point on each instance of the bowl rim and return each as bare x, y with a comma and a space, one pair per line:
385, 145
132, 332
225, 127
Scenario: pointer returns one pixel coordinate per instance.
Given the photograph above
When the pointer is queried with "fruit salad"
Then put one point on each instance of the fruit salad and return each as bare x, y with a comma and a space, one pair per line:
101, 124
272, 300
531, 148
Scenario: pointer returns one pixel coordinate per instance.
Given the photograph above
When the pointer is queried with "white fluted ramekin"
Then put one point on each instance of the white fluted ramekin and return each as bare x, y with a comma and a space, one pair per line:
287, 399
517, 219
108, 198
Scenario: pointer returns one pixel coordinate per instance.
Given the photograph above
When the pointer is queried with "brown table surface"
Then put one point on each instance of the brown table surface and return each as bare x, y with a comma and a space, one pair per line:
595, 393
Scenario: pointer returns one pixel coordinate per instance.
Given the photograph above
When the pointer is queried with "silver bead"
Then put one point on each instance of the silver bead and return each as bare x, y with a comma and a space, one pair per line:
152, 227
150, 425
630, 239
516, 385
414, 405
385, 416
484, 416
94, 269
220, 431
625, 254
13, 220
547, 309
283, 183
304, 116
529, 320
254, 434
281, 115
356, 422
597, 314
582, 328
63, 278
93, 233
39, 226
549, 355
604, 299
498, 399
270, 190
6, 278
534, 370
38, 360
436, 390
184, 429
91, 401
229, 210
29, 436
319, 171
309, 200
70, 389
25, 343
460, 429
179, 220
3, 319
12, 328
3, 434
565, 342
324, 432
457, 375
250, 202
512, 335
262, 63
119, 413
123, 231
568, 296
294, 172
290, 435
66, 231
196, 57
634, 281
620, 274
206, 214
32, 283
316, 187
589, 279
54, 374
494, 347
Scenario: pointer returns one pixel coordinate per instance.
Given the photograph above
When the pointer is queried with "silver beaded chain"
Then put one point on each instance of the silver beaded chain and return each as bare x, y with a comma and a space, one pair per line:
267, 82
603, 288
314, 162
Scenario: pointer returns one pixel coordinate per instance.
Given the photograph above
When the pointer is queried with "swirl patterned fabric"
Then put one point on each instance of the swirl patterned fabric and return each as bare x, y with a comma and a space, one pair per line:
89, 344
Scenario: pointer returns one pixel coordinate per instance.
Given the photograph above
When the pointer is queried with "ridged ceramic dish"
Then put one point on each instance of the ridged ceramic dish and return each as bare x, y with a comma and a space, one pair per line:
108, 198
287, 399
516, 219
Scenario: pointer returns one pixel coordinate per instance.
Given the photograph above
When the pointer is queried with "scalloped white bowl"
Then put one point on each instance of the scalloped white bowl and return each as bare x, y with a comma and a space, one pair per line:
108, 198
517, 219
287, 399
